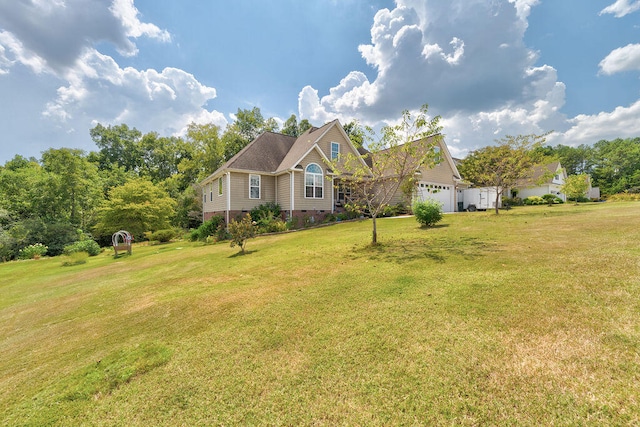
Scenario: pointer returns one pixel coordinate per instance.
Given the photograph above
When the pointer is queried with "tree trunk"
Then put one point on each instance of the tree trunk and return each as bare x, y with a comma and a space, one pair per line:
497, 200
374, 235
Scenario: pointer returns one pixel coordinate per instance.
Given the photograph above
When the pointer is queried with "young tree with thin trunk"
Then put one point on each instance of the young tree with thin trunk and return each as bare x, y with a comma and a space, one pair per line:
503, 165
375, 178
575, 186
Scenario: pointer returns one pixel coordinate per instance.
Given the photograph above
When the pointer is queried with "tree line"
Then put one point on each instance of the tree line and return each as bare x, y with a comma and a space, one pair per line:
69, 195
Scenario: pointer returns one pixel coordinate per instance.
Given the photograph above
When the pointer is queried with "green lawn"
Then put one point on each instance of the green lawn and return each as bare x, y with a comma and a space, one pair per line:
531, 317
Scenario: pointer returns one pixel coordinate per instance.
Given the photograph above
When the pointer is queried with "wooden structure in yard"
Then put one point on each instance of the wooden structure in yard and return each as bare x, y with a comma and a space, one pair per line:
122, 241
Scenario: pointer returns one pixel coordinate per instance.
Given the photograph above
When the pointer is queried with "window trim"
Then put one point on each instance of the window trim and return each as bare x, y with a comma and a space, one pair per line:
315, 185
220, 186
337, 153
251, 176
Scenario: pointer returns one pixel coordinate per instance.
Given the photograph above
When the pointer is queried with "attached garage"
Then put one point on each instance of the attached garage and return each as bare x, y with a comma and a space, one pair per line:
442, 193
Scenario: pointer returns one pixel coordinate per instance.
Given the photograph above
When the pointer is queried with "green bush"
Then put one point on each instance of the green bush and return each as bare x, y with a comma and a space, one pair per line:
265, 211
427, 213
534, 200
211, 227
75, 258
32, 251
89, 246
552, 199
162, 236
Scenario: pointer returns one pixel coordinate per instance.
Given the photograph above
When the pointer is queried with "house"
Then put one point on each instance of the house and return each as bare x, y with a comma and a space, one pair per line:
546, 179
292, 172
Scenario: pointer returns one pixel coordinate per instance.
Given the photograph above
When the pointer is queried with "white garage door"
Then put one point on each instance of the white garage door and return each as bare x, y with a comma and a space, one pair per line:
441, 193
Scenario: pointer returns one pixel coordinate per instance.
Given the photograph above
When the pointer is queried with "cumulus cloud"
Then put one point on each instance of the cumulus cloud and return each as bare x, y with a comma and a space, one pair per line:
164, 101
466, 58
58, 38
621, 8
59, 31
625, 58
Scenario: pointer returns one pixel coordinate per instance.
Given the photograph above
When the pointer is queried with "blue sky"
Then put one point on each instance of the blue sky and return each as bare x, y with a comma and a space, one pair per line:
488, 67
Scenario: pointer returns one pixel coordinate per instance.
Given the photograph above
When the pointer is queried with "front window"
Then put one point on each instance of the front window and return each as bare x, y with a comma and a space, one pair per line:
254, 186
313, 181
335, 150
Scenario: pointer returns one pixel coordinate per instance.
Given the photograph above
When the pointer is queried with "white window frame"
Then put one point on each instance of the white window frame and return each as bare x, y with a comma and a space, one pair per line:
336, 153
211, 192
252, 186
318, 178
220, 186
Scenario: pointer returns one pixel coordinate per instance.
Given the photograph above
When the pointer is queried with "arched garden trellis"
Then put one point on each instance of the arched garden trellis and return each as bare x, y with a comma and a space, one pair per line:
121, 241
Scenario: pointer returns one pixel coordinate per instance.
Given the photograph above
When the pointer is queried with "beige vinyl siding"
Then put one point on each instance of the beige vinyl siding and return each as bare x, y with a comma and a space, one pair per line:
334, 135
216, 203
302, 203
283, 184
442, 173
240, 200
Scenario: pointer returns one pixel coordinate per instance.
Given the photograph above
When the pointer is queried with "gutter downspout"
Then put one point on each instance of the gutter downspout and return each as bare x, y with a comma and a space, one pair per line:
228, 197
292, 193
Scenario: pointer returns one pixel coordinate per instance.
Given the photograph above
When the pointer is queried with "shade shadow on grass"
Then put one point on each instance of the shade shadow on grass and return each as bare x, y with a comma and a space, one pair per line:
237, 254
438, 250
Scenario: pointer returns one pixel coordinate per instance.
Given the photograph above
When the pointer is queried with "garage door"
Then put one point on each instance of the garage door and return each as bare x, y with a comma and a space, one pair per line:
441, 193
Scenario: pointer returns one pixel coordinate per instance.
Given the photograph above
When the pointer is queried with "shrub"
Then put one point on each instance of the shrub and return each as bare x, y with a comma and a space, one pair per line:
268, 210
32, 251
75, 258
512, 201
624, 197
534, 200
162, 236
427, 213
91, 247
552, 199
211, 227
241, 231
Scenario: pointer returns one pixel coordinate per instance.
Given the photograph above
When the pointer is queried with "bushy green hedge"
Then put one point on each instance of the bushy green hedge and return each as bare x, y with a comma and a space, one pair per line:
534, 200
427, 213
89, 246
162, 236
32, 251
214, 226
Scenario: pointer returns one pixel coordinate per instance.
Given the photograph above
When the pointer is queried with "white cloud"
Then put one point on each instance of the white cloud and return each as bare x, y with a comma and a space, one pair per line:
621, 8
466, 58
58, 32
622, 122
163, 101
621, 59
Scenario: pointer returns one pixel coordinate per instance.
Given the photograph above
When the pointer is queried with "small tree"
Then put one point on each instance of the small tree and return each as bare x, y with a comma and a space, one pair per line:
391, 164
575, 186
502, 166
241, 231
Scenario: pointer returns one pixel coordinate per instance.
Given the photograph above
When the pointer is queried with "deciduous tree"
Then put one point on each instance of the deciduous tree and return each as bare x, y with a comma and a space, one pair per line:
136, 206
575, 186
375, 178
503, 165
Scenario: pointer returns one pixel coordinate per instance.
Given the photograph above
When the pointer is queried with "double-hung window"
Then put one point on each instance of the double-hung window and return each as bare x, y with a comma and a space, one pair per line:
220, 186
335, 150
313, 182
254, 186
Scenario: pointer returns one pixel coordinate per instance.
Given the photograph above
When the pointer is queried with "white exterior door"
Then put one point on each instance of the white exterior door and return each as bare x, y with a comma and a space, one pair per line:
442, 193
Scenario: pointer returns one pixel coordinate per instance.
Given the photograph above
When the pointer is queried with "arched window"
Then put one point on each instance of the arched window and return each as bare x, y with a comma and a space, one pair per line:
313, 181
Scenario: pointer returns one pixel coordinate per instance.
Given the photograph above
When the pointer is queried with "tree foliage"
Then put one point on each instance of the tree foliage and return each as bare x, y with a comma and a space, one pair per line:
137, 206
241, 231
576, 186
501, 166
374, 179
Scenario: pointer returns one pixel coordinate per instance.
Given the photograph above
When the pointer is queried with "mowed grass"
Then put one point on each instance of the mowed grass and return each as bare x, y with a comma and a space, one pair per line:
531, 317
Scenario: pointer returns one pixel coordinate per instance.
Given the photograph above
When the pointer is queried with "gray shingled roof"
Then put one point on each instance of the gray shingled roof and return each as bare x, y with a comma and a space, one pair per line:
263, 154
302, 145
